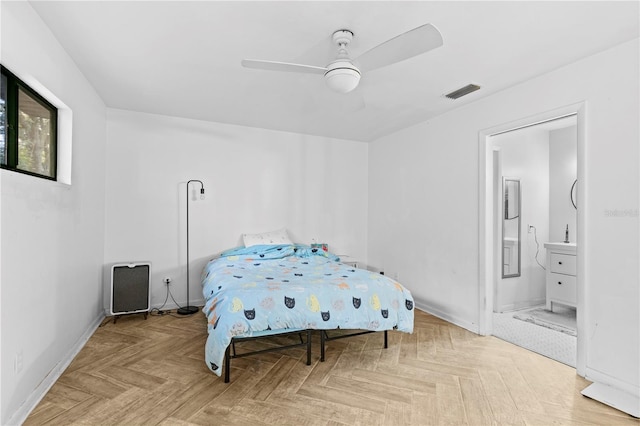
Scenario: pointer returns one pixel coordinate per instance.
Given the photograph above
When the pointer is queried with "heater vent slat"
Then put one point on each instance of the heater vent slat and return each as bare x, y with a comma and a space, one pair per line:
469, 88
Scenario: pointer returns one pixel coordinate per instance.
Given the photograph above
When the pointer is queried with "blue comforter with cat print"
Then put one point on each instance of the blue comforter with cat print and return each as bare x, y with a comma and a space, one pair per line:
269, 289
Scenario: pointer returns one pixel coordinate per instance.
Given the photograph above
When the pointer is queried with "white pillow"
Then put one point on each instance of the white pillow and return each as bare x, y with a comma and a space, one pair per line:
267, 238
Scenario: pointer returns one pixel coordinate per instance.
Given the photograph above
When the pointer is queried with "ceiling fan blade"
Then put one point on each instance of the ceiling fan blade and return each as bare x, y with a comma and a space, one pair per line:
407, 45
282, 66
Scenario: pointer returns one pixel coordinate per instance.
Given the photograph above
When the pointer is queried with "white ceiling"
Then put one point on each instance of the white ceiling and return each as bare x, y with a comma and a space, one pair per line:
183, 58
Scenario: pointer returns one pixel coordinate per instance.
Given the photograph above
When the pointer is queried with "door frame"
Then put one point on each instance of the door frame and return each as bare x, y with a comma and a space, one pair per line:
486, 235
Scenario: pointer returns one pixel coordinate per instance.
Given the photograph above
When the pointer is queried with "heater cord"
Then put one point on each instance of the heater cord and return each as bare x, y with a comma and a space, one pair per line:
160, 312
535, 237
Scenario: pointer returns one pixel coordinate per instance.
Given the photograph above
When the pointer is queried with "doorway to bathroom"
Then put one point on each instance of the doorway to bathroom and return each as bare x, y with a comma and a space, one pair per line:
529, 217
534, 170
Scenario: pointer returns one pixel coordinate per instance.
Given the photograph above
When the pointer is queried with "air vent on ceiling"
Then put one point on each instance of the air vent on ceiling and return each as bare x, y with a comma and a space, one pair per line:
469, 88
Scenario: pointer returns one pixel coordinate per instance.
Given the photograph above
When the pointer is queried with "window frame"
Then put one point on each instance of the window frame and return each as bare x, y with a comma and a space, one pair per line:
14, 84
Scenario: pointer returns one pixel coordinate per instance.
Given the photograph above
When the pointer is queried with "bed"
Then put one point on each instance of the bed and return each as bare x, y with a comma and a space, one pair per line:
269, 289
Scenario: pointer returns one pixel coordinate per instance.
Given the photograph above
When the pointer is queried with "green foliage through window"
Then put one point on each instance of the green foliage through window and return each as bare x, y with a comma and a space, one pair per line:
28, 126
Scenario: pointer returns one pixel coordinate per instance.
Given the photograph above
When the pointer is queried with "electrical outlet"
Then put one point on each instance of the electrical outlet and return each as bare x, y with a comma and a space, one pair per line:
167, 280
530, 228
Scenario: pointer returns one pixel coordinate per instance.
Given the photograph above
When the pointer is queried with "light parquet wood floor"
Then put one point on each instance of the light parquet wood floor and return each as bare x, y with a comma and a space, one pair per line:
153, 372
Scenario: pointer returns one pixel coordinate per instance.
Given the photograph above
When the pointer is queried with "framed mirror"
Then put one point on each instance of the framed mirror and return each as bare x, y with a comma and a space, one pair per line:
511, 203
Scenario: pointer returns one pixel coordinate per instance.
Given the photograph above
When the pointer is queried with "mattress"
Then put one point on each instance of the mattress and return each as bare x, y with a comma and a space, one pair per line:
271, 289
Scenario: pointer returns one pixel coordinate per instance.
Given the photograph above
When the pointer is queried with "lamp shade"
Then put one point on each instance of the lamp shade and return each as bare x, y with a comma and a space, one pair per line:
342, 76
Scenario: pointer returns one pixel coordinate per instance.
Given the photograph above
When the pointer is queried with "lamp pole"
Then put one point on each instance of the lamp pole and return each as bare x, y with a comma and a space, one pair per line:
188, 310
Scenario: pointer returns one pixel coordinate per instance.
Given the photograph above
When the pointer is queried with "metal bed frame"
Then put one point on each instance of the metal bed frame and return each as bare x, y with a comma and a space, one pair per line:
232, 347
324, 337
231, 353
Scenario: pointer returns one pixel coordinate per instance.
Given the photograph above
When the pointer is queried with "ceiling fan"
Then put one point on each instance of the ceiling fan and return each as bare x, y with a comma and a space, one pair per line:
343, 74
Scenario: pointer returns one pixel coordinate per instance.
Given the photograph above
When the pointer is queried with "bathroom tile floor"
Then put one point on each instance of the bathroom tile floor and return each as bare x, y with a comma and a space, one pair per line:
550, 343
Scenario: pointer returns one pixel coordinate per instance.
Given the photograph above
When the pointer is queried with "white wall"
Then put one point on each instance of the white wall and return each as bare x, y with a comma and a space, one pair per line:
255, 181
423, 215
562, 174
525, 155
52, 233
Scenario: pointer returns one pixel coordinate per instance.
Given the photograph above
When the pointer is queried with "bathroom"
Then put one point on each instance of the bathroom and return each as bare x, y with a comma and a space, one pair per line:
535, 171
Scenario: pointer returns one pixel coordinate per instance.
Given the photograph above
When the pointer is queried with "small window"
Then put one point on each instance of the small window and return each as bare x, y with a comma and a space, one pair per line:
28, 129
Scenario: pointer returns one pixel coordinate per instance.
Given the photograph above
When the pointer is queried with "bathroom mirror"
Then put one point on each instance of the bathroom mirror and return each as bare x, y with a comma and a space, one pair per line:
511, 227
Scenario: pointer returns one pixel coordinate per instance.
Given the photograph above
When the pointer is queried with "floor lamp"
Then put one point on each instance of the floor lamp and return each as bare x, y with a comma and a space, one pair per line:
188, 310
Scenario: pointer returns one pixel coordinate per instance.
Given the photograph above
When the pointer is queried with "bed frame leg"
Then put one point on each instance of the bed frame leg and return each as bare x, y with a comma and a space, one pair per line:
386, 344
308, 347
227, 361
322, 334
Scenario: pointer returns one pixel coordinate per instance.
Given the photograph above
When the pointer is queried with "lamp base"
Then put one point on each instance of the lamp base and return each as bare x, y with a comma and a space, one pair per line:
188, 310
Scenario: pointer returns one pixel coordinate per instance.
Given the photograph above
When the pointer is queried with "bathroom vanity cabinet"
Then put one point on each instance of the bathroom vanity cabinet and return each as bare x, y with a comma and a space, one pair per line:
561, 274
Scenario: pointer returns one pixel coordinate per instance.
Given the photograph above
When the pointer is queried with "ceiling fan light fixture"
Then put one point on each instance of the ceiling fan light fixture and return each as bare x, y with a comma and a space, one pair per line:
342, 76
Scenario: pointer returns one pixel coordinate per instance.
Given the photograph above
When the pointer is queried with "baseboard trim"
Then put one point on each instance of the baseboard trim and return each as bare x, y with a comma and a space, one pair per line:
605, 379
167, 306
172, 306
473, 327
520, 305
50, 379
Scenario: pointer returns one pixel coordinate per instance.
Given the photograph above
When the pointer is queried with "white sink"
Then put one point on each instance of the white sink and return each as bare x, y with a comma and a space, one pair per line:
560, 246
